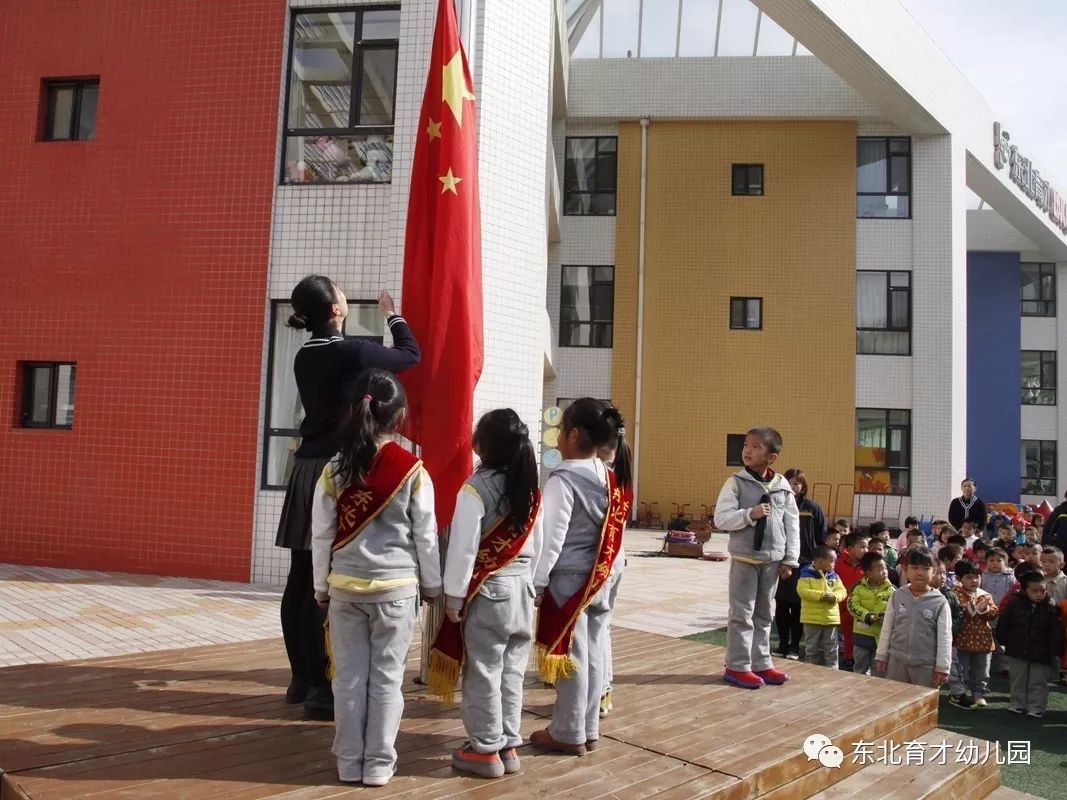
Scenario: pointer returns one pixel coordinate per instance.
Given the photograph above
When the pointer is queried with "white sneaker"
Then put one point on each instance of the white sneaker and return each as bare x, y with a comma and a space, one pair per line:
980, 703
379, 780
1035, 714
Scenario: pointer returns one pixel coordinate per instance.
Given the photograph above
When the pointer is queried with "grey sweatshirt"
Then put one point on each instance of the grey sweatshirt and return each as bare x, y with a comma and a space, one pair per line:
781, 540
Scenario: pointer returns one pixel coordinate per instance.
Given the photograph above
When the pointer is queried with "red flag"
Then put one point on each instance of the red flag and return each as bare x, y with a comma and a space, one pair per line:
442, 292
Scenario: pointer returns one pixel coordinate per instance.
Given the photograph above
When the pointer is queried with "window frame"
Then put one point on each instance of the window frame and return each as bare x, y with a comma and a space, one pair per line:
888, 175
355, 93
1026, 481
590, 322
889, 328
889, 428
567, 174
1045, 358
745, 300
26, 393
48, 110
739, 462
748, 168
1044, 268
268, 432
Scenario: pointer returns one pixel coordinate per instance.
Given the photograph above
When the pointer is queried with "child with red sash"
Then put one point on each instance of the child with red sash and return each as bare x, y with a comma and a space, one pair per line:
585, 511
487, 632
373, 547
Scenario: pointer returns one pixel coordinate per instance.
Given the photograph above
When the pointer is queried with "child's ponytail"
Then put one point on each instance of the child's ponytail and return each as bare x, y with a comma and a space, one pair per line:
377, 411
622, 466
503, 443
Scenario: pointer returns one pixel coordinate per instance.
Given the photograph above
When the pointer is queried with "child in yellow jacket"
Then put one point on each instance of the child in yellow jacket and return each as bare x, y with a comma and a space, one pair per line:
821, 591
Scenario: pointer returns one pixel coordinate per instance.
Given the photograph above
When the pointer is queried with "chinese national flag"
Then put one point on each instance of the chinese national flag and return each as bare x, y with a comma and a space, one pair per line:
442, 292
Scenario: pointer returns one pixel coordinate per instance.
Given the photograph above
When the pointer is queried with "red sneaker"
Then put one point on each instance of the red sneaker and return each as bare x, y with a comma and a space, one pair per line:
746, 680
772, 676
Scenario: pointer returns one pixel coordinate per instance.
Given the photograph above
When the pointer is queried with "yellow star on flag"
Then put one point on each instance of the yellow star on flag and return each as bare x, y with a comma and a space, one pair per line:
433, 130
449, 180
454, 86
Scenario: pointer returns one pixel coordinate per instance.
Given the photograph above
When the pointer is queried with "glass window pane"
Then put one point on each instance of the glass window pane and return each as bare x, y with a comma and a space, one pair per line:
883, 206
286, 411
737, 313
659, 29
739, 180
602, 334
738, 32
61, 105
581, 164
606, 164
870, 431
899, 180
320, 81
900, 417
620, 28
900, 145
1031, 368
87, 112
602, 204
1048, 286
883, 343
378, 87
364, 320
64, 411
698, 28
899, 308
752, 315
339, 159
381, 24
900, 279
40, 379
871, 298
870, 165
280, 455
1031, 281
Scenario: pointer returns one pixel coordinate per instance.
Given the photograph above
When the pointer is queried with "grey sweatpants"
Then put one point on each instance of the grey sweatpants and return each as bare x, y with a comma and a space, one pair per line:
820, 645
370, 644
497, 635
900, 670
1028, 684
748, 631
613, 592
972, 672
863, 658
576, 715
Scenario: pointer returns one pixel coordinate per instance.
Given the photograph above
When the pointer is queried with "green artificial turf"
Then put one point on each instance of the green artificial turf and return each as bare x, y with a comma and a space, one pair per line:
1046, 774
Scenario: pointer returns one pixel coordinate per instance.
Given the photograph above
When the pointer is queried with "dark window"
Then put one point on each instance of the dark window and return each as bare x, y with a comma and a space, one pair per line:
1039, 467
1038, 291
883, 313
48, 394
341, 96
746, 313
883, 177
1039, 377
586, 306
735, 443
747, 179
589, 176
70, 109
883, 451
281, 435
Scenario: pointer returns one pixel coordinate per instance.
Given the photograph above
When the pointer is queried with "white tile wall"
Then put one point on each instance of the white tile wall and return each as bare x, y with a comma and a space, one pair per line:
1038, 333
884, 381
1039, 422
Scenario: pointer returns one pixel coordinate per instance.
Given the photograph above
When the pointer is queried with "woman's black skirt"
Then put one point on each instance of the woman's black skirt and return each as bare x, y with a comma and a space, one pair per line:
294, 527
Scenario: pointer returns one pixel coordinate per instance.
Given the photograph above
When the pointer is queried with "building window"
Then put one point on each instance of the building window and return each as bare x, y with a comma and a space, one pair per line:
1039, 377
883, 177
883, 313
883, 451
70, 109
747, 180
586, 306
48, 394
1038, 291
281, 435
1039, 467
341, 96
735, 443
589, 176
746, 313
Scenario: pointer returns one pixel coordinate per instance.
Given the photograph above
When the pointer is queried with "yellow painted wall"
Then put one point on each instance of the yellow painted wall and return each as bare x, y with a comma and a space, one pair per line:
794, 247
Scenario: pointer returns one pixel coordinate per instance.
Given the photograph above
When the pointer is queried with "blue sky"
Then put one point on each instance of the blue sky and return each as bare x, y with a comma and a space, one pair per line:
1015, 54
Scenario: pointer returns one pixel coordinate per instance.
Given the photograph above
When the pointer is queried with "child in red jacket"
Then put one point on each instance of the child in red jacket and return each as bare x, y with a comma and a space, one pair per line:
850, 571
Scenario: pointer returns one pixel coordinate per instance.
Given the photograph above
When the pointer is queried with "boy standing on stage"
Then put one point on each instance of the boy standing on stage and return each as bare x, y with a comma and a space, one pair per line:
757, 507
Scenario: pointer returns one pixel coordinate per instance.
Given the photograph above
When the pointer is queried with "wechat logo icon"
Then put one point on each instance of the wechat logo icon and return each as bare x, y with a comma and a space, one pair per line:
819, 748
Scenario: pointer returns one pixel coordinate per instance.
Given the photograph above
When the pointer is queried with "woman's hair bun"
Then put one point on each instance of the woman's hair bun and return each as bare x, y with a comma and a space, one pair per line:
298, 321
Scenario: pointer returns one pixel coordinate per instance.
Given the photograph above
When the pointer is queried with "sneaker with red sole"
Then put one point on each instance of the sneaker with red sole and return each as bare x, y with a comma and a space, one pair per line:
772, 676
746, 680
484, 765
509, 756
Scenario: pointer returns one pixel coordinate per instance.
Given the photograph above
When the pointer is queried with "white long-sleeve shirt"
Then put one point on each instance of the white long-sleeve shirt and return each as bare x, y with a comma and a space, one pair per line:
464, 538
557, 502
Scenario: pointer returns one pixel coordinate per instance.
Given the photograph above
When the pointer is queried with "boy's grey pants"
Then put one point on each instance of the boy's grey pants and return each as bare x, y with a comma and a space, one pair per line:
576, 715
497, 635
863, 661
748, 632
972, 672
900, 670
1028, 684
613, 593
820, 645
370, 644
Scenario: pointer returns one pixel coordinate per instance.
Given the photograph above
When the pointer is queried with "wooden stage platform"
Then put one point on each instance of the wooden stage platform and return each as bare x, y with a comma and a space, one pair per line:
210, 722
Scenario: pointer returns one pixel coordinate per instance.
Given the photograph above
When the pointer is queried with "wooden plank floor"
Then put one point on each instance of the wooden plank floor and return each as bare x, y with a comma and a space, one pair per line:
209, 722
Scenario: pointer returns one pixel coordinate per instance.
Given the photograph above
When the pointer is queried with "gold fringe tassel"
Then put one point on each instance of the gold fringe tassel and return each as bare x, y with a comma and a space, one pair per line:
441, 677
329, 649
555, 668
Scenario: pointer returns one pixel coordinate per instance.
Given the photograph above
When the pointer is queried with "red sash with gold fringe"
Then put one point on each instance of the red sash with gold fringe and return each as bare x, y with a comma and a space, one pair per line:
499, 546
555, 624
358, 506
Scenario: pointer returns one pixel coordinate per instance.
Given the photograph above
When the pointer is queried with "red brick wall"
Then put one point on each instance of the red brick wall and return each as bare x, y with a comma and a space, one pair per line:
142, 256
